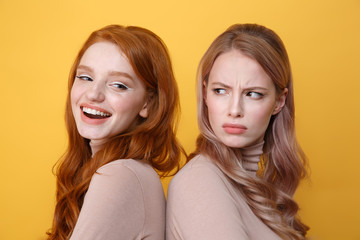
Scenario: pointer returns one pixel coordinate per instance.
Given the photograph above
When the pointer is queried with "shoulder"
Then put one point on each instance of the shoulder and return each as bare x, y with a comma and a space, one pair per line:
199, 197
135, 166
199, 180
144, 185
134, 175
198, 163
199, 172
126, 177
129, 170
119, 202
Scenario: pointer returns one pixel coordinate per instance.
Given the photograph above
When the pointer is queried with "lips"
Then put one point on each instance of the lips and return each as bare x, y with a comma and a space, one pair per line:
93, 115
234, 128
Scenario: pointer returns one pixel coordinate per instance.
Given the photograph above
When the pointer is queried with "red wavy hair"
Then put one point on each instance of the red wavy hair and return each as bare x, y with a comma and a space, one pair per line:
270, 196
153, 139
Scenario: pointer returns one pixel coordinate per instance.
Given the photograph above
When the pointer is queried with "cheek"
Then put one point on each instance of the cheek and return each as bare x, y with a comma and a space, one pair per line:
125, 105
261, 117
72, 95
214, 108
73, 99
75, 93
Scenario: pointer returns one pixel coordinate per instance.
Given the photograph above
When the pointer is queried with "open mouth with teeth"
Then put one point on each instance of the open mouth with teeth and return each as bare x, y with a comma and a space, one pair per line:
94, 114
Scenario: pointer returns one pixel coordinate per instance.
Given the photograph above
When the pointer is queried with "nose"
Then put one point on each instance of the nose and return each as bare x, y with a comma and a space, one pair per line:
95, 93
236, 108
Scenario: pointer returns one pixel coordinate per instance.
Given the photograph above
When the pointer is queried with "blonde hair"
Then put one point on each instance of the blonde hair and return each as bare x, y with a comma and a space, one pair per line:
270, 196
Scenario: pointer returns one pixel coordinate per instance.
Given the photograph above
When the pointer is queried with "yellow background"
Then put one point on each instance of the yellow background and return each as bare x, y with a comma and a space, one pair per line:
39, 41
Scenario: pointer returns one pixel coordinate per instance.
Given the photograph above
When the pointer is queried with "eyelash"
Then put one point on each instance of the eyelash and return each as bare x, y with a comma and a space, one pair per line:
219, 91
249, 94
83, 77
120, 86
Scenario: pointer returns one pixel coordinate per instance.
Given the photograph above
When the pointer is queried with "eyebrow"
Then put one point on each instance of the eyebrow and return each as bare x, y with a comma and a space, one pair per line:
121, 74
84, 68
247, 88
221, 84
112, 73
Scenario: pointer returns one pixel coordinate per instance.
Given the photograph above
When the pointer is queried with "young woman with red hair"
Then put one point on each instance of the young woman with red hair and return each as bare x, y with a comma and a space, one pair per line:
246, 116
121, 116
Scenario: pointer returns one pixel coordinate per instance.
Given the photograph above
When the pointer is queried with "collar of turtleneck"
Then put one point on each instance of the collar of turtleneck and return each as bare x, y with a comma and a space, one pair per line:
251, 157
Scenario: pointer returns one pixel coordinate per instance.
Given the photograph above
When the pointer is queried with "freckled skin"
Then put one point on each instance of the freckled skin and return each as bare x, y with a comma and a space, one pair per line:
106, 81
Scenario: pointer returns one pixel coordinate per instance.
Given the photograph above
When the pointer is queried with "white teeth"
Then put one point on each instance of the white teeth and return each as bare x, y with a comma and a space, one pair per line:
94, 112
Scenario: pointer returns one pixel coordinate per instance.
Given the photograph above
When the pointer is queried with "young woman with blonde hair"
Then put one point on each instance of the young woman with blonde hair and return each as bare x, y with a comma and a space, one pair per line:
121, 113
246, 117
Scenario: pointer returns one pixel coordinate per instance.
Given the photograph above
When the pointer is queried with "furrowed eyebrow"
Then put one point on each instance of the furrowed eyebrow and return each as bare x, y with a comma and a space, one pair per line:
256, 88
250, 88
220, 84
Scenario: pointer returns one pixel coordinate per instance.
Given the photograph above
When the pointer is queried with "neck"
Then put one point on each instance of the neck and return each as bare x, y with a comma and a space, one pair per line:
96, 145
251, 157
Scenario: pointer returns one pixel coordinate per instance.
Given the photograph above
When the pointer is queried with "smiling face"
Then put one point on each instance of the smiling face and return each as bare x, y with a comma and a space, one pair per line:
241, 98
106, 97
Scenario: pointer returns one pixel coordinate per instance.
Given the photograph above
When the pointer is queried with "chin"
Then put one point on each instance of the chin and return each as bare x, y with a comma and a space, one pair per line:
89, 135
233, 144
236, 143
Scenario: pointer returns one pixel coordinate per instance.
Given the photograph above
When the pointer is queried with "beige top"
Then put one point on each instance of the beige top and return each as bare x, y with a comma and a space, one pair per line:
124, 201
203, 204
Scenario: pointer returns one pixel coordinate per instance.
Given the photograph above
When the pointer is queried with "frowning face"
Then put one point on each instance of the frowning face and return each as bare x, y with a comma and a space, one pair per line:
107, 97
241, 98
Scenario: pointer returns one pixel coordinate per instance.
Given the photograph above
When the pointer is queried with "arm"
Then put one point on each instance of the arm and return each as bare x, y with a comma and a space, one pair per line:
200, 207
113, 206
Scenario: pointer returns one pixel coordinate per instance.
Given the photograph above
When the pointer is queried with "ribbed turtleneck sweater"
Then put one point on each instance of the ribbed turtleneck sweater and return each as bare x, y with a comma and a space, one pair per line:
204, 204
125, 200
251, 157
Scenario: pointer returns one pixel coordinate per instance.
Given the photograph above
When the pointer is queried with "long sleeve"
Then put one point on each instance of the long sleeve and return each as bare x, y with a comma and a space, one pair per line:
200, 208
116, 205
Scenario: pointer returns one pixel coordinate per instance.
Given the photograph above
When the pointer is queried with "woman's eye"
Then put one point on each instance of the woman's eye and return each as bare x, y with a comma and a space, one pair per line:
255, 95
84, 77
219, 91
120, 86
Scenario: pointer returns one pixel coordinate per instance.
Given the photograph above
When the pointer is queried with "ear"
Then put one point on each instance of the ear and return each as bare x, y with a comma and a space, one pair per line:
144, 112
280, 101
204, 91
